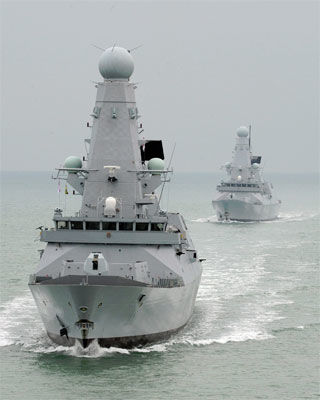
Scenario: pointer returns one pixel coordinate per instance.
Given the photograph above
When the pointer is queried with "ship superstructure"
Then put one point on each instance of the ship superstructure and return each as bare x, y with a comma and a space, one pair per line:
245, 195
121, 270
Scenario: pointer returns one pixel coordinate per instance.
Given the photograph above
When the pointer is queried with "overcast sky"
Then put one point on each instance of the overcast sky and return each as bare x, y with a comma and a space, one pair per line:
204, 69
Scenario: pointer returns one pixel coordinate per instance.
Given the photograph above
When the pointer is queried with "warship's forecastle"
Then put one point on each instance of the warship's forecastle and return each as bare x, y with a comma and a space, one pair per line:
244, 195
121, 271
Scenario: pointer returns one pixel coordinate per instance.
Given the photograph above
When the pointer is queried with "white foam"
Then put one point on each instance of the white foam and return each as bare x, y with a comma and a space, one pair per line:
283, 217
211, 218
19, 321
237, 336
94, 351
292, 217
244, 336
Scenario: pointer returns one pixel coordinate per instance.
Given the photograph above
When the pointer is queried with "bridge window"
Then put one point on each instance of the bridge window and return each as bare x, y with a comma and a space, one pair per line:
109, 226
125, 226
157, 227
62, 224
92, 225
76, 224
142, 226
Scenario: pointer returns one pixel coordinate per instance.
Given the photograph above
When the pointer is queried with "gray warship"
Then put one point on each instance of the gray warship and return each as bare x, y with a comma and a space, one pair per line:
245, 195
121, 270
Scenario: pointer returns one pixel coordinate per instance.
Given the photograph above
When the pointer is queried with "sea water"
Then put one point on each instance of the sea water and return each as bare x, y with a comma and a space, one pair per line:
254, 333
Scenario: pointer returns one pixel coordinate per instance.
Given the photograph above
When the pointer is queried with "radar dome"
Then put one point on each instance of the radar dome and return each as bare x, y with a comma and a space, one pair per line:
72, 162
255, 165
116, 63
156, 164
243, 131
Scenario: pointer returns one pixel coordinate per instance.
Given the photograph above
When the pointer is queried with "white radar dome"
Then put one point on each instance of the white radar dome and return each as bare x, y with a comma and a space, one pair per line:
72, 162
156, 164
116, 63
243, 131
255, 165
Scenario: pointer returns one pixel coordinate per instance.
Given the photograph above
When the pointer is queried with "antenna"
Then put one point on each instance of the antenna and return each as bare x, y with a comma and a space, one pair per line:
165, 175
250, 137
97, 47
135, 48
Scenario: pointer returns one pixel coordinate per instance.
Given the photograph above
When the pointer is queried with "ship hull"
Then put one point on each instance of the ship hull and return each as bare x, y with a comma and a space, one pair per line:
240, 210
123, 316
127, 342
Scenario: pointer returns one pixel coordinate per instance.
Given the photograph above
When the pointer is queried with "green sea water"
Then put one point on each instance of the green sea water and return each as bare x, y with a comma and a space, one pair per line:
254, 333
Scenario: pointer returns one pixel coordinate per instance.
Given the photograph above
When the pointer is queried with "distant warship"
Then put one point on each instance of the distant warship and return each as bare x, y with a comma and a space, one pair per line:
244, 195
120, 271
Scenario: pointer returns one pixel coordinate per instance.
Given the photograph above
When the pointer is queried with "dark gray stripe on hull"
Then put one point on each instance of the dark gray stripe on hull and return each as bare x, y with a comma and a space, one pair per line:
127, 342
89, 280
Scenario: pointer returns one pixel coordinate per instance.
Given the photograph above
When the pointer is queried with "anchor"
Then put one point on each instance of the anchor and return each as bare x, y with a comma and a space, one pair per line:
64, 329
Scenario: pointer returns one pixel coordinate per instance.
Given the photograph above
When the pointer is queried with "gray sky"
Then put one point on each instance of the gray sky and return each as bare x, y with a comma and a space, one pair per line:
205, 68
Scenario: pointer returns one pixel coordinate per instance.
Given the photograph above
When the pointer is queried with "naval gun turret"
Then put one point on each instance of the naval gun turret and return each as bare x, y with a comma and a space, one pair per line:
121, 271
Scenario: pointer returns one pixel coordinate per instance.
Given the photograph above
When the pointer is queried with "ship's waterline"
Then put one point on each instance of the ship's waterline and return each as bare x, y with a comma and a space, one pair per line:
242, 210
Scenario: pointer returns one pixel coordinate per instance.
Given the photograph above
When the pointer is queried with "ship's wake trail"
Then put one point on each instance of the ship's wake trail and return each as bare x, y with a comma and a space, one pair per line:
283, 217
19, 321
236, 302
20, 325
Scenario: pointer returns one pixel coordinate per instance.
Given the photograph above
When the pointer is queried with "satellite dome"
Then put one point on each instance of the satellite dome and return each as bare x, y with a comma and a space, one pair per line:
156, 164
72, 162
116, 63
255, 165
243, 131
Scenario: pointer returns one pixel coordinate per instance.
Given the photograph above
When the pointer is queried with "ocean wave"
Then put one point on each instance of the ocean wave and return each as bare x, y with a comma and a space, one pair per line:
296, 328
20, 324
292, 217
212, 218
283, 217
19, 321
94, 350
